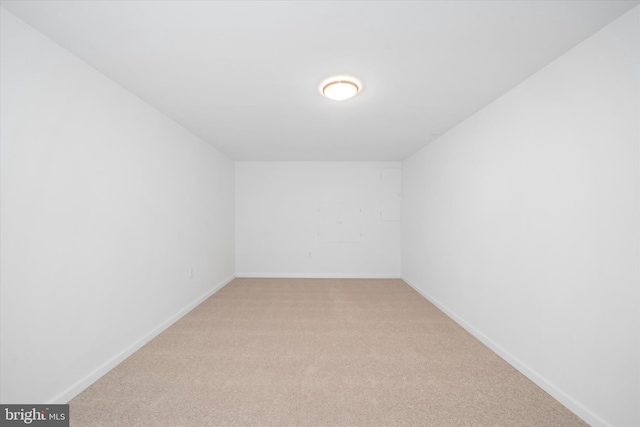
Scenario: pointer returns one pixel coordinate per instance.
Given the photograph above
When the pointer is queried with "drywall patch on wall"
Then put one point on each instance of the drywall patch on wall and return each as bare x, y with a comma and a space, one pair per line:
391, 194
339, 223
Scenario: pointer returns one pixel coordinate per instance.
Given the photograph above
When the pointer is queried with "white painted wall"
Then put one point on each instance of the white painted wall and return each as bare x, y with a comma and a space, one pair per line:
281, 207
106, 206
523, 224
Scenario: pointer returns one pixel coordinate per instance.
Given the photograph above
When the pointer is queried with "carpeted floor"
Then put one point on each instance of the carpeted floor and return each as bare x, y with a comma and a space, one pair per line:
316, 352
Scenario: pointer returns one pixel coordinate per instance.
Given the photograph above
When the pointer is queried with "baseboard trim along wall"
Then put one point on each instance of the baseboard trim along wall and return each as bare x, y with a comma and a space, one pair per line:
538, 379
79, 386
316, 276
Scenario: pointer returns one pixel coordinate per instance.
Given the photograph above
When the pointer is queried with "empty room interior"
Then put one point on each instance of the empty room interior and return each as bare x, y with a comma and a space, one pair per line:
318, 213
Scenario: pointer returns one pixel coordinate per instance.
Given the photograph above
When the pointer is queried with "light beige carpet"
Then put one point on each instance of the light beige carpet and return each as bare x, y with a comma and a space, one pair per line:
308, 352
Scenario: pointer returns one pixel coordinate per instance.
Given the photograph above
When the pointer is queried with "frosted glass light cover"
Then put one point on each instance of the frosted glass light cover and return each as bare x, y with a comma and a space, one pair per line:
340, 90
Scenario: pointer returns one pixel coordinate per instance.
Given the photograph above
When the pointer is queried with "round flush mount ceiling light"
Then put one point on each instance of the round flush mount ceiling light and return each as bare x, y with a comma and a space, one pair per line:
340, 88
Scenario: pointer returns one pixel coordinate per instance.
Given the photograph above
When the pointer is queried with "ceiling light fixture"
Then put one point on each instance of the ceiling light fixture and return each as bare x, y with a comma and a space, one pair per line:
340, 88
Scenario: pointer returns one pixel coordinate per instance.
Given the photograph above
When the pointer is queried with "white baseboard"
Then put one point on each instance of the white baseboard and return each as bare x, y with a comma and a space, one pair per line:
534, 376
316, 276
81, 385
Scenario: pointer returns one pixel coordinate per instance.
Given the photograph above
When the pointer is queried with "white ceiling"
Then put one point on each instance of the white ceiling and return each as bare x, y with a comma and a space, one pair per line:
244, 76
